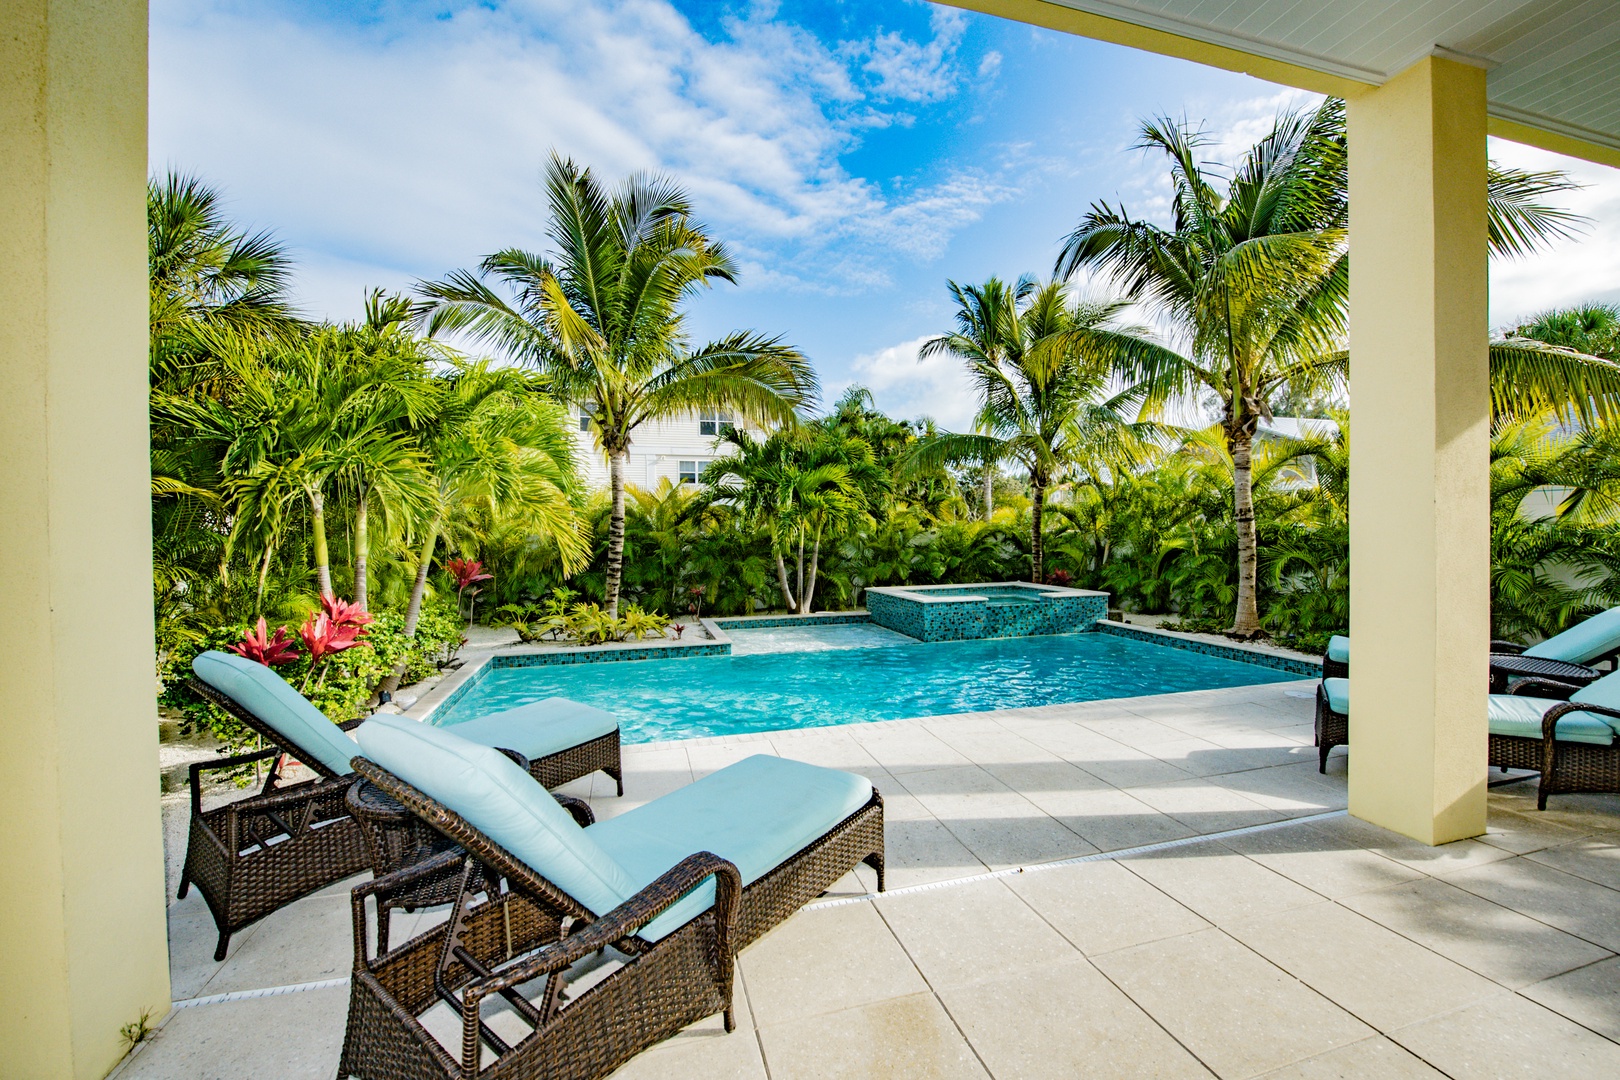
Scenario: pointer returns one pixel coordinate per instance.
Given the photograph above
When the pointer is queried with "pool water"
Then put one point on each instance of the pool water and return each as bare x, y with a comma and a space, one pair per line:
728, 695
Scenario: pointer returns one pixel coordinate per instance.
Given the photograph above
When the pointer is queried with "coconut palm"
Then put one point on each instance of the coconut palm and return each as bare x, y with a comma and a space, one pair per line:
1255, 279
1041, 364
603, 321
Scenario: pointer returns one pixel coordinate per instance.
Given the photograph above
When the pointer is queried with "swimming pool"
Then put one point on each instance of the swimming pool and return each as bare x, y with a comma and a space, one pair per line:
728, 695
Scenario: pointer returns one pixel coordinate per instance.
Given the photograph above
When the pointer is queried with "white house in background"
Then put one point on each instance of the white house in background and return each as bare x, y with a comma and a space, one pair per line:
675, 450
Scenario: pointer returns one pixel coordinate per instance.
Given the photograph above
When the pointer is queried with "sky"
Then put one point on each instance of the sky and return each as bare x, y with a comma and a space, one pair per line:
854, 155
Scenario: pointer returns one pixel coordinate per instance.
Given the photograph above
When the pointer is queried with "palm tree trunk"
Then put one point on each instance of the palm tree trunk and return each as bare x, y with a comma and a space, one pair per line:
264, 577
807, 596
781, 579
1246, 622
413, 610
989, 490
615, 552
317, 527
1037, 509
800, 581
362, 549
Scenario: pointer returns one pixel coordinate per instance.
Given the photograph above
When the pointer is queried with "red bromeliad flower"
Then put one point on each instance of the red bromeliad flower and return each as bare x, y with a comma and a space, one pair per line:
258, 644
466, 572
323, 637
346, 614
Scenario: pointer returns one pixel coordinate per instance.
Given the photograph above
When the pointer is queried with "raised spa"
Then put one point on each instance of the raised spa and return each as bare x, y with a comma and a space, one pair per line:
991, 610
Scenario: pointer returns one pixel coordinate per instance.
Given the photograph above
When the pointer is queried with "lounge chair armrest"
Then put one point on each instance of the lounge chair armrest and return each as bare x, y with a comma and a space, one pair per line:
626, 919
398, 881
580, 809
236, 761
1549, 720
1509, 648
1543, 688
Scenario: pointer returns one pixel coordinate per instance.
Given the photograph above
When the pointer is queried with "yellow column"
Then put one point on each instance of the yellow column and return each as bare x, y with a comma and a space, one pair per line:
82, 938
1419, 523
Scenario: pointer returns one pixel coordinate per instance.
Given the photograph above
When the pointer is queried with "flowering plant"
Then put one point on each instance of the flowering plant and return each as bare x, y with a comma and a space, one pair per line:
269, 650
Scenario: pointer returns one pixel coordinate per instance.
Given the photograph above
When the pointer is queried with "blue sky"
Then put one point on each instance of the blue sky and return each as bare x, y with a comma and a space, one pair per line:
854, 155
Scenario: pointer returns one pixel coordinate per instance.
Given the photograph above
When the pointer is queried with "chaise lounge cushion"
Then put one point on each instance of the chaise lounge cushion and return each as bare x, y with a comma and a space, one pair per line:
539, 728
502, 801
1521, 716
1338, 649
283, 709
1338, 695
756, 813
1584, 642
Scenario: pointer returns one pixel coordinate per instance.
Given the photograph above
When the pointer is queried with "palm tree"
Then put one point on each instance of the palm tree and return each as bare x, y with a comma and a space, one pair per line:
495, 444
1041, 365
1256, 280
802, 486
603, 321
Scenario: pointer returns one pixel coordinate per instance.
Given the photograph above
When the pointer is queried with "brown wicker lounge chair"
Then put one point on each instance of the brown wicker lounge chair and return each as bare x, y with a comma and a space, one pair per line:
1573, 753
255, 855
510, 954
1566, 766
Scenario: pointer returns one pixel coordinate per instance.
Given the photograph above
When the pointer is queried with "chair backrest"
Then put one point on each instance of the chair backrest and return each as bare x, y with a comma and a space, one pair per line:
300, 727
1586, 641
502, 801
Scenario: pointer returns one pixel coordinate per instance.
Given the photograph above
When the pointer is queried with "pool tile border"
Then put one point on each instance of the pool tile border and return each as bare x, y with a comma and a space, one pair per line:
1245, 654
822, 618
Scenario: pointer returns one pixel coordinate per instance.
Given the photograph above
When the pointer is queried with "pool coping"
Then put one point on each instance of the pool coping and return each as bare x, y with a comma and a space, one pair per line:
1302, 664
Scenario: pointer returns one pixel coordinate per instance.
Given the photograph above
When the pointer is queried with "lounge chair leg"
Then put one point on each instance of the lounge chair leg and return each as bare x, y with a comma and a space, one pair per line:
875, 861
1322, 756
224, 943
618, 778
730, 1020
185, 887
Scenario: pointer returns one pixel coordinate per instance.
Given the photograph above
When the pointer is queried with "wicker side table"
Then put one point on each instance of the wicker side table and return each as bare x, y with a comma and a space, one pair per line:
1505, 666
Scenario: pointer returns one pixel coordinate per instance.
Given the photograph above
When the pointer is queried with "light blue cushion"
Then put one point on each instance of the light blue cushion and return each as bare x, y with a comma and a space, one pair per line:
1339, 649
756, 813
1605, 692
503, 802
1521, 716
284, 710
1338, 695
539, 728
1584, 642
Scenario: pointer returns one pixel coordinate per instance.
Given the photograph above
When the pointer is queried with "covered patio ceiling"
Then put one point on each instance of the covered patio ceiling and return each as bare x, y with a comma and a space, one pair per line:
1550, 63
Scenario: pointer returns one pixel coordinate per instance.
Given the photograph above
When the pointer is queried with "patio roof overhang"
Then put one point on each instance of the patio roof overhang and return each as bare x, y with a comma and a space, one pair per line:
1550, 63
82, 930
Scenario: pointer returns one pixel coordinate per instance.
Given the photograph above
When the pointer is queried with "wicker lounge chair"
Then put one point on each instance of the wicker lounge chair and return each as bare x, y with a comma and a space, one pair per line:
1336, 660
1570, 735
252, 856
1590, 641
670, 890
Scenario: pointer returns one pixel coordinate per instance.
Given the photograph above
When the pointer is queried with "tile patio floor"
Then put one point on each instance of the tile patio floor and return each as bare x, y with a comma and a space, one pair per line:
1321, 948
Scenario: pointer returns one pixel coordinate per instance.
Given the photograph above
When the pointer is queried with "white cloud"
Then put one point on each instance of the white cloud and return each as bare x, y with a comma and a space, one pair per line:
1572, 271
384, 152
990, 65
906, 387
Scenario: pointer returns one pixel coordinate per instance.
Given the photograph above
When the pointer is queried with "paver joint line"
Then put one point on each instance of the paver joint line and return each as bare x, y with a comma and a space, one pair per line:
1098, 856
268, 991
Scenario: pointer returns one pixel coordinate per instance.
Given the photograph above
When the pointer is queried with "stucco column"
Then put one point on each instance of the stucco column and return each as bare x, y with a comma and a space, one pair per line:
1419, 520
82, 938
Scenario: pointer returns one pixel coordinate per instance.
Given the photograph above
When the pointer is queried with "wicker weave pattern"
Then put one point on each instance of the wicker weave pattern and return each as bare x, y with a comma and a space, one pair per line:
662, 988
1335, 669
1332, 729
1566, 768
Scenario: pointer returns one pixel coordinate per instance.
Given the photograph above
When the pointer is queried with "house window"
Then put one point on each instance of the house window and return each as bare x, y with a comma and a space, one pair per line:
690, 471
717, 422
584, 419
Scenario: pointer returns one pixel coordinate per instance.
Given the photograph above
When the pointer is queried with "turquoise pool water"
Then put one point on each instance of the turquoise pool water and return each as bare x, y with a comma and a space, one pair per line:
727, 695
